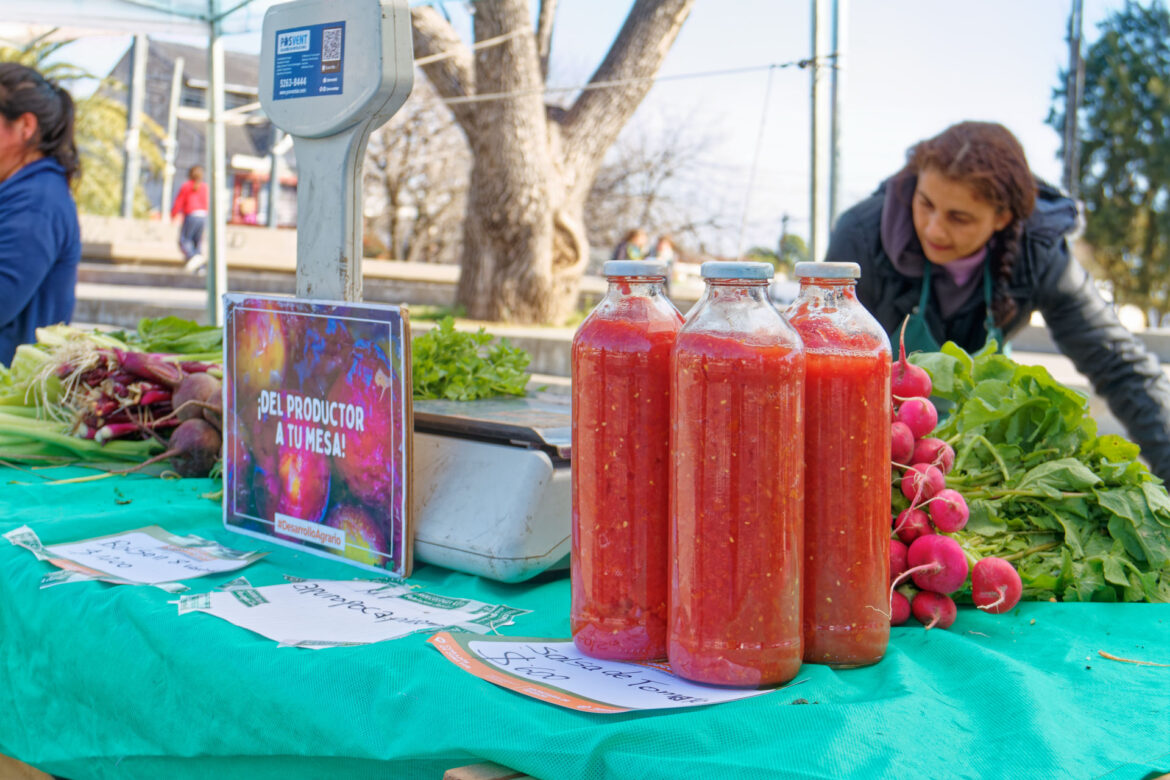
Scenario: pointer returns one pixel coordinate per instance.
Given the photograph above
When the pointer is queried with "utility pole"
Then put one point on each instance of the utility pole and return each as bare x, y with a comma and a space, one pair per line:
216, 170
131, 155
820, 135
1074, 86
172, 138
836, 89
783, 242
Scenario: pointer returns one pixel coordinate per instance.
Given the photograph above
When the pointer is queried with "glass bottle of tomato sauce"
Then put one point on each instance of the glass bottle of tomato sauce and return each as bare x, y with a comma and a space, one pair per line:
737, 508
846, 470
621, 466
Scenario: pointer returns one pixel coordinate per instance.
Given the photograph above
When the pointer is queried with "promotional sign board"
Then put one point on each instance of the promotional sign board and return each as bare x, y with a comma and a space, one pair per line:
317, 421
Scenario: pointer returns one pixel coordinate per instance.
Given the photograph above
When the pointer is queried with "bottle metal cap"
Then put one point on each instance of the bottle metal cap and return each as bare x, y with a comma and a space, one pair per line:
737, 269
634, 268
827, 271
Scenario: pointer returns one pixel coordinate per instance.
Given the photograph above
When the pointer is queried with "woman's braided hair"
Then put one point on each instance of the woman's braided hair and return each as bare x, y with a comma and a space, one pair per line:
986, 156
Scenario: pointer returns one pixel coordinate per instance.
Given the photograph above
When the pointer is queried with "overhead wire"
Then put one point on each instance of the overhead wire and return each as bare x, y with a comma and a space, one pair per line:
615, 83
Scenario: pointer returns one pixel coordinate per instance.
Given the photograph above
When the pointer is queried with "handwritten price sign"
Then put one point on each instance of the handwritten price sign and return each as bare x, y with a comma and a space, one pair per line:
144, 556
554, 671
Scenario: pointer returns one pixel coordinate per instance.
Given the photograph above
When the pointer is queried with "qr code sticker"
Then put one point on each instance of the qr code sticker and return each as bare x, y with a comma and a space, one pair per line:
331, 44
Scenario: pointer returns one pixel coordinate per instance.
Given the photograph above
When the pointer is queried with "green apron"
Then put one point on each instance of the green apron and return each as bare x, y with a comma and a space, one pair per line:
918, 335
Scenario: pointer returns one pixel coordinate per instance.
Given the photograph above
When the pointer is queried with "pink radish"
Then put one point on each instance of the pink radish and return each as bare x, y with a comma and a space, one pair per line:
934, 610
922, 482
911, 524
907, 380
948, 511
897, 558
901, 444
899, 609
936, 452
936, 563
919, 415
995, 585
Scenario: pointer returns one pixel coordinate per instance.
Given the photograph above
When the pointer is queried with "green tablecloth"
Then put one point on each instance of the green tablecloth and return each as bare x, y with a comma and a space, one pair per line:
101, 681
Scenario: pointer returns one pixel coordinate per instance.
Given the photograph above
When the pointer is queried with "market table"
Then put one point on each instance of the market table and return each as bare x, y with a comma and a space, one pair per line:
105, 681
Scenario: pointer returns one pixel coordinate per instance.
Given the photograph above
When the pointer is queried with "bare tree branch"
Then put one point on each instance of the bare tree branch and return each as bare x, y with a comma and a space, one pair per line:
544, 31
452, 76
597, 117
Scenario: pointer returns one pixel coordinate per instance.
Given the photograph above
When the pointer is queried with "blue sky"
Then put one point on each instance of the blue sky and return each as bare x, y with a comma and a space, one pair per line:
912, 67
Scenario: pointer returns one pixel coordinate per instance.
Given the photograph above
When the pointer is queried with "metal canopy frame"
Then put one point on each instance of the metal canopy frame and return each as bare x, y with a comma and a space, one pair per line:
210, 17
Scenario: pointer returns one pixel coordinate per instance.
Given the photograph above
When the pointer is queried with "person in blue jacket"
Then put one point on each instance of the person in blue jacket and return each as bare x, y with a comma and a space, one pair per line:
40, 241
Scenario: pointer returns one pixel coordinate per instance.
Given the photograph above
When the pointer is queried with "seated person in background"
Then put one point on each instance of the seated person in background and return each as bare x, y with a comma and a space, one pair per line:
633, 246
968, 243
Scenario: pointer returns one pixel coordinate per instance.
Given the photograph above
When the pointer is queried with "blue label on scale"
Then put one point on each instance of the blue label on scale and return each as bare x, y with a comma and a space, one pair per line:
310, 61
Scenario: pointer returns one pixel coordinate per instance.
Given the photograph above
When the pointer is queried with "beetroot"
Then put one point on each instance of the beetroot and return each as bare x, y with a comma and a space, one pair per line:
260, 351
304, 484
948, 511
363, 536
368, 466
936, 452
995, 585
194, 394
906, 379
901, 444
194, 448
919, 415
934, 610
922, 482
322, 350
937, 563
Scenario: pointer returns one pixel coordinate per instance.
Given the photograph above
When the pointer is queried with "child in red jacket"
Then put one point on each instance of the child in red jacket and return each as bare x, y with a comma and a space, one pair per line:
191, 203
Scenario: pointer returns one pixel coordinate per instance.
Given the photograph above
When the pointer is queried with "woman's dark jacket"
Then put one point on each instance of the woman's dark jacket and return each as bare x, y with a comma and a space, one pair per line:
1045, 279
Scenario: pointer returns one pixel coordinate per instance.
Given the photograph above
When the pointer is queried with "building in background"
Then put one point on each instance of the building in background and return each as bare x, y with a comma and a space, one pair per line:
250, 137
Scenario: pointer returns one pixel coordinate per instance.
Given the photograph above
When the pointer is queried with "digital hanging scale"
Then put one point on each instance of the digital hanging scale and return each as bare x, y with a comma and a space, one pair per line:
491, 486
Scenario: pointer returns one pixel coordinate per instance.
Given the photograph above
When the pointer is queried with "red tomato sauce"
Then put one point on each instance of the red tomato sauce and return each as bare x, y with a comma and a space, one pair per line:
621, 438
847, 506
737, 509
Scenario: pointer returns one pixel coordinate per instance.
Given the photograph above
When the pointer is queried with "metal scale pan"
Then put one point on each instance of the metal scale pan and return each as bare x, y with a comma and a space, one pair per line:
491, 491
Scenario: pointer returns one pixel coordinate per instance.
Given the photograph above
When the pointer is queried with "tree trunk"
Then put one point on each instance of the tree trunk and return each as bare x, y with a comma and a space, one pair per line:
524, 244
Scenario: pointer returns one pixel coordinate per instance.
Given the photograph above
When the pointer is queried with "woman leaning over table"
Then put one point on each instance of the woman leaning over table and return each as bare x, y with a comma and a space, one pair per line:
40, 242
968, 243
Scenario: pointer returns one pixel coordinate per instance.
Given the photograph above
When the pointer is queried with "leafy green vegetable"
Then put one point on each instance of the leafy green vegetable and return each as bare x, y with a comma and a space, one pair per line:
461, 366
177, 336
1078, 514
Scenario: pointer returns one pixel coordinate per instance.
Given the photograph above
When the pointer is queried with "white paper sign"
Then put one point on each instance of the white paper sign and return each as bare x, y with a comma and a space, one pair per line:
144, 556
556, 672
337, 613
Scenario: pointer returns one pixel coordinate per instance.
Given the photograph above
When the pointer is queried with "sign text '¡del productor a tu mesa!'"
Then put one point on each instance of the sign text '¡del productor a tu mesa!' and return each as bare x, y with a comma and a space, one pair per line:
288, 408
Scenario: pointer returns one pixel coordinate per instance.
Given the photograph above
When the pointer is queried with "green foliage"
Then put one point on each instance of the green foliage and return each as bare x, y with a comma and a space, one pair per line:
761, 254
1124, 173
99, 131
175, 335
793, 250
1080, 516
461, 366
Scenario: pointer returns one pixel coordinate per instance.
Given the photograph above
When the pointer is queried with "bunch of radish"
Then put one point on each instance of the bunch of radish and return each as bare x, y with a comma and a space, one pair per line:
932, 564
109, 394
